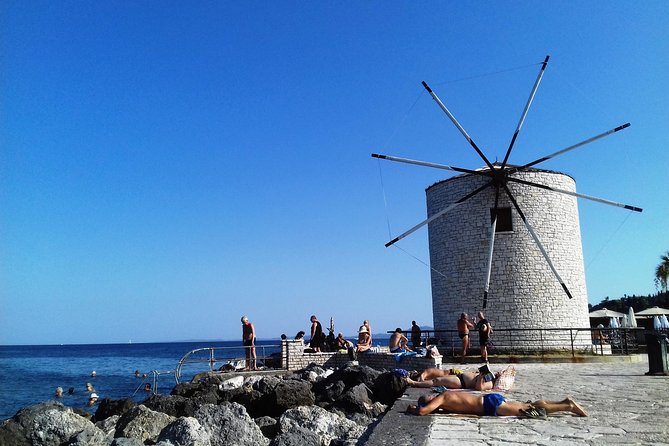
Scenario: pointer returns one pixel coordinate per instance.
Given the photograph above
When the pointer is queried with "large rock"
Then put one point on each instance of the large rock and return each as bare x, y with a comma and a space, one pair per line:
230, 425
388, 387
185, 431
121, 441
356, 399
329, 427
109, 407
16, 430
268, 425
297, 437
232, 383
174, 405
290, 393
142, 423
54, 427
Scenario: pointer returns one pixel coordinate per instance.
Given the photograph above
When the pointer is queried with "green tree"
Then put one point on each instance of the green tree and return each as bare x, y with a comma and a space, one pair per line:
662, 272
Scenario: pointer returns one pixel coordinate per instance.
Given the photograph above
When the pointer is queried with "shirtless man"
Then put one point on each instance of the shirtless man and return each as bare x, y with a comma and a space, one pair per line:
464, 325
398, 342
249, 342
451, 379
491, 404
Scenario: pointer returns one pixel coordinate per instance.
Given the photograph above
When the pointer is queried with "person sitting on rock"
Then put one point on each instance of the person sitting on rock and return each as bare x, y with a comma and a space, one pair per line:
491, 404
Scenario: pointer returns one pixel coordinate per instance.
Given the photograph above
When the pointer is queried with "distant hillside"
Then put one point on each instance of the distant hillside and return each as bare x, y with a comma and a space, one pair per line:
639, 303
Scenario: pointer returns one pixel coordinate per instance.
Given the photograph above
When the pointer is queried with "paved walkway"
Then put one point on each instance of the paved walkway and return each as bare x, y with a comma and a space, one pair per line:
625, 407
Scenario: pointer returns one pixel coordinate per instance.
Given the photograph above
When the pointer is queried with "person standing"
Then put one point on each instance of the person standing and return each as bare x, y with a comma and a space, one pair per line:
464, 325
415, 335
249, 342
316, 334
485, 330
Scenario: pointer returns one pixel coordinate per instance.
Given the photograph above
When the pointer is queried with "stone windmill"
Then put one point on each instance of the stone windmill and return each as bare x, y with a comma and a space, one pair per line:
513, 225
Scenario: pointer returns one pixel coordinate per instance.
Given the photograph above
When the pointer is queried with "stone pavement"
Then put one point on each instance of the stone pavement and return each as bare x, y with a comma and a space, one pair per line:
625, 407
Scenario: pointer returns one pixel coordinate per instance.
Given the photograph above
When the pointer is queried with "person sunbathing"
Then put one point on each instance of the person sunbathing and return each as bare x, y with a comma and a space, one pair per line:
451, 379
491, 404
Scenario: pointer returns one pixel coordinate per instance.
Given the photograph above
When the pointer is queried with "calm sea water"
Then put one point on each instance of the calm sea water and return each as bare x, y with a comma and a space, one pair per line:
30, 374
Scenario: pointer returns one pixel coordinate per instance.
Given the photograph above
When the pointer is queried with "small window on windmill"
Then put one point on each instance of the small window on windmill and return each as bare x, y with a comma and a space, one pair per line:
504, 223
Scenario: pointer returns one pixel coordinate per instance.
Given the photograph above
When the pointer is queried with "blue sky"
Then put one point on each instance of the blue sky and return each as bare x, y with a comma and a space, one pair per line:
169, 166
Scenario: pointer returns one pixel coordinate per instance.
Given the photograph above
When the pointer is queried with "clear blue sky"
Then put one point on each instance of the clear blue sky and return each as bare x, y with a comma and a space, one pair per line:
166, 167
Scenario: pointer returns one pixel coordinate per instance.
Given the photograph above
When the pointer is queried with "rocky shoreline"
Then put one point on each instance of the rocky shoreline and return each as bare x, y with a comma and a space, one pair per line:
312, 406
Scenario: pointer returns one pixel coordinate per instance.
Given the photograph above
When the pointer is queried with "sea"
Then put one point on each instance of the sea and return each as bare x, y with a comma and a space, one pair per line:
30, 374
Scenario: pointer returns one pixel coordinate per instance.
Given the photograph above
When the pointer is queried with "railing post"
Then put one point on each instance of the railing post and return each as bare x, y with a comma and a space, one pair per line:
571, 336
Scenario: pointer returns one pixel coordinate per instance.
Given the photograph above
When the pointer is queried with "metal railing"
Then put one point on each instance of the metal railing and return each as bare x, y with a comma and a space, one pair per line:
152, 382
228, 359
543, 341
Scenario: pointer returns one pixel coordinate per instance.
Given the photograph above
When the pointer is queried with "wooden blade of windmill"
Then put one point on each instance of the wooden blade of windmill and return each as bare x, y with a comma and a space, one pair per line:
536, 240
457, 124
575, 146
493, 228
576, 194
438, 214
527, 108
428, 164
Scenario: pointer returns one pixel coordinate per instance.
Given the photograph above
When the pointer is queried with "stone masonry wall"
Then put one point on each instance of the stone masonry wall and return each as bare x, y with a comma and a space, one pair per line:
524, 293
294, 358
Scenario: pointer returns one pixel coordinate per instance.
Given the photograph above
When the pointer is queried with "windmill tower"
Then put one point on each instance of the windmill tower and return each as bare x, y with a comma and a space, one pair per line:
514, 226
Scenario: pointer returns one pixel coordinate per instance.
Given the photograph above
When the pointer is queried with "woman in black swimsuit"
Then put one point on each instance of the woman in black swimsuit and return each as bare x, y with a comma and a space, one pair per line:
463, 331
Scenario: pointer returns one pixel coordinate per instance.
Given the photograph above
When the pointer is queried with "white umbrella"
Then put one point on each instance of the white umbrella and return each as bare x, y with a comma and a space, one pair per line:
655, 311
613, 323
664, 321
631, 317
656, 323
624, 323
605, 313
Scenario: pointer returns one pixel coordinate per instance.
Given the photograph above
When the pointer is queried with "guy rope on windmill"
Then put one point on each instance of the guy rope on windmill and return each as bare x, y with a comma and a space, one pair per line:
518, 266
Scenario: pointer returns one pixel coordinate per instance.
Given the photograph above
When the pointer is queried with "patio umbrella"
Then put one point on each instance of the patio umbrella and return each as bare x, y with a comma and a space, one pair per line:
631, 318
613, 323
655, 311
656, 323
663, 321
605, 313
624, 323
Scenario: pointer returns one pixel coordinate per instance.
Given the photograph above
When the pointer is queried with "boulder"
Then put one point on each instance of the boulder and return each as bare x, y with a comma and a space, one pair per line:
185, 431
55, 426
356, 399
126, 442
329, 427
185, 389
174, 405
108, 425
290, 393
388, 387
297, 437
232, 383
16, 430
268, 426
109, 407
267, 384
142, 423
331, 392
229, 424
257, 404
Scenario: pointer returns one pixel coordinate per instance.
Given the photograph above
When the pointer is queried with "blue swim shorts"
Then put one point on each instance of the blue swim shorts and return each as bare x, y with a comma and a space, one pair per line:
491, 401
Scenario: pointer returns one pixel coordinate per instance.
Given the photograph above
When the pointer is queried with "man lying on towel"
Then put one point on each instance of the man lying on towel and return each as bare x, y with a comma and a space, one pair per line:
491, 404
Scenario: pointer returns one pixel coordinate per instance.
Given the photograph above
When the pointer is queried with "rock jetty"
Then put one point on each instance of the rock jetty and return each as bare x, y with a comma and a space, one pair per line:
312, 406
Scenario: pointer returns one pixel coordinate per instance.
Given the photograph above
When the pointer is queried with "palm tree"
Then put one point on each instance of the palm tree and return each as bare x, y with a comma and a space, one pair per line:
662, 272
